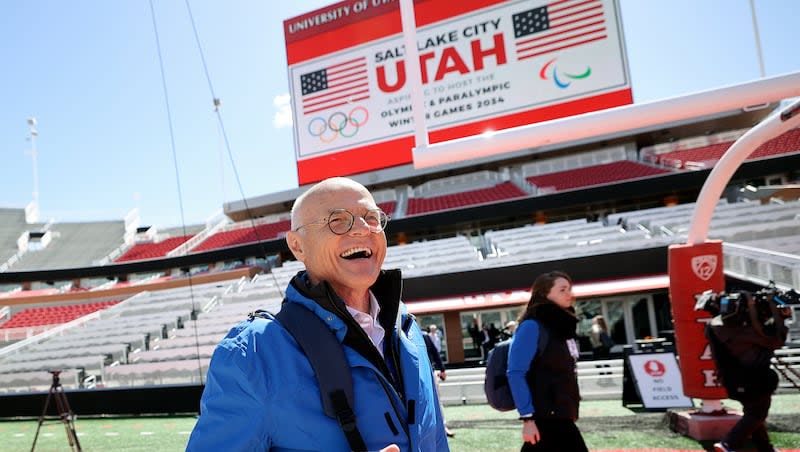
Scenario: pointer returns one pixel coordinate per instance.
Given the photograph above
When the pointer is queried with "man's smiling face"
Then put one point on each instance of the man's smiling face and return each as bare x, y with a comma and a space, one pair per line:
349, 262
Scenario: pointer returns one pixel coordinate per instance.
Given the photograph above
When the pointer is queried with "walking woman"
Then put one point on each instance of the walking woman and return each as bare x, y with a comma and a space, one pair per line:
541, 367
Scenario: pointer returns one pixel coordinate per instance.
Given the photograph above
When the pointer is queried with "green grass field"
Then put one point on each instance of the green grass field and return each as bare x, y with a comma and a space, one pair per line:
606, 426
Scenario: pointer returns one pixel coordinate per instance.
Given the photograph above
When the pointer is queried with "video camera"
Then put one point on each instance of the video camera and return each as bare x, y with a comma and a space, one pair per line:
761, 309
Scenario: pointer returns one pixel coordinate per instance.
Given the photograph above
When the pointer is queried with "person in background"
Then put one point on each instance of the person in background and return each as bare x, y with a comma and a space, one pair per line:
601, 341
261, 392
601, 347
433, 343
494, 335
433, 333
508, 330
544, 382
486, 341
475, 333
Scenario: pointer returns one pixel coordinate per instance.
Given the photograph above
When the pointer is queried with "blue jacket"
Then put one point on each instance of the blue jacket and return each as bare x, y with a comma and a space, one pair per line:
261, 392
524, 345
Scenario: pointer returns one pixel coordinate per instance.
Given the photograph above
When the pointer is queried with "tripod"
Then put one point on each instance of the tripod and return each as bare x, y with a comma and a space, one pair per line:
64, 412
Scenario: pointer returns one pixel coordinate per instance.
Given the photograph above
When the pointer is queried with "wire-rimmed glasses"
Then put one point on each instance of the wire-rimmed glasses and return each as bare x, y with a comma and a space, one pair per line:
341, 221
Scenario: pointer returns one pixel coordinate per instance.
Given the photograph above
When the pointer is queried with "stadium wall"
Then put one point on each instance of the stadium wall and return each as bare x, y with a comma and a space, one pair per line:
163, 399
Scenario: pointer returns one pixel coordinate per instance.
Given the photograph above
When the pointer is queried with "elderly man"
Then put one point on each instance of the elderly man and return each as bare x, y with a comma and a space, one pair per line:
262, 394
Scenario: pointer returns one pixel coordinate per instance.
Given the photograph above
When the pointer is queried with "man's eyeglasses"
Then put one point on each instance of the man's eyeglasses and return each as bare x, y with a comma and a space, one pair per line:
341, 221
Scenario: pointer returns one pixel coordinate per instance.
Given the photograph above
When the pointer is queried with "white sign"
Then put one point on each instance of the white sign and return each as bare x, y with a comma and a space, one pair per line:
486, 65
658, 379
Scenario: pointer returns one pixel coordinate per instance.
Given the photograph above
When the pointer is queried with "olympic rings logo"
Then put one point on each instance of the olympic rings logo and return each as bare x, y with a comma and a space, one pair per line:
338, 123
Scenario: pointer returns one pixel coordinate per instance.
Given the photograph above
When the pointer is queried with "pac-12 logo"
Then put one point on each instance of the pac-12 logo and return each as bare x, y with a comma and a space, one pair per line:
704, 266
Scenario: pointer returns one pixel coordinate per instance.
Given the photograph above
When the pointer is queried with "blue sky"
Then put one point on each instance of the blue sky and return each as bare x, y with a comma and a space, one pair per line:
88, 71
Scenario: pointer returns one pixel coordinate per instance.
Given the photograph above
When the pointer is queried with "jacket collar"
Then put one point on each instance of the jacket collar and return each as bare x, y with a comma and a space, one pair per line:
387, 290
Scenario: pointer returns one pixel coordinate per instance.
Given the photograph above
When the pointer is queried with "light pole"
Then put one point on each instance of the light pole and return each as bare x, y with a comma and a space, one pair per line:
758, 39
34, 134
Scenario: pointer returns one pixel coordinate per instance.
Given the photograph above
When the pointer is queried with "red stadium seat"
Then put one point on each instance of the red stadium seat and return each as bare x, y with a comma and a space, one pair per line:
706, 156
142, 251
53, 315
595, 175
244, 234
499, 192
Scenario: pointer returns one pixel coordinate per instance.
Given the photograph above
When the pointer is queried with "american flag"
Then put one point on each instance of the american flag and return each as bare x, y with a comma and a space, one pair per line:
335, 85
557, 26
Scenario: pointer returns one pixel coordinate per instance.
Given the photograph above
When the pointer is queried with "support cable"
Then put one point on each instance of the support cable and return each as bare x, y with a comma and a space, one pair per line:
218, 113
177, 175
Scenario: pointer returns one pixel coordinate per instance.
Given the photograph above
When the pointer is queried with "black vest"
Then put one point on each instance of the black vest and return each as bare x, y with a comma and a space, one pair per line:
553, 380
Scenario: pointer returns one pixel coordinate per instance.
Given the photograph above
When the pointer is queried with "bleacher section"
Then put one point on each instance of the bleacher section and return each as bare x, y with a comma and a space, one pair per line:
561, 240
593, 175
389, 207
182, 354
53, 315
704, 152
74, 245
168, 336
152, 250
12, 225
626, 231
424, 257
111, 338
242, 233
499, 192
732, 222
71, 245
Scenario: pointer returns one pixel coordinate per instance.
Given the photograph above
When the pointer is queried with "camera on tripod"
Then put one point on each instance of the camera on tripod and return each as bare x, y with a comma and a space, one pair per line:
761, 309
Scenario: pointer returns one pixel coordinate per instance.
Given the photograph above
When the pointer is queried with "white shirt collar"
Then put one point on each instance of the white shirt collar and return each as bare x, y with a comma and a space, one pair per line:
369, 322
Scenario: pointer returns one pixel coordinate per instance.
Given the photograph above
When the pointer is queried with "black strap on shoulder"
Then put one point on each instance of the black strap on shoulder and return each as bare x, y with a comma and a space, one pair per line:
326, 356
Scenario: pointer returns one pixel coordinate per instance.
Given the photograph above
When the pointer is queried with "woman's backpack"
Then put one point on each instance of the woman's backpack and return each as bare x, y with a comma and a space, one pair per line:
495, 386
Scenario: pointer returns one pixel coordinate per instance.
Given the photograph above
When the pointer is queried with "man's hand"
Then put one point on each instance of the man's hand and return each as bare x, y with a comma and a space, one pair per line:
530, 432
391, 448
442, 375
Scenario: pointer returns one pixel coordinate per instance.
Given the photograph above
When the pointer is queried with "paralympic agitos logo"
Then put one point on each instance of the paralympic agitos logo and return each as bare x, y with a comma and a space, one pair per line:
562, 79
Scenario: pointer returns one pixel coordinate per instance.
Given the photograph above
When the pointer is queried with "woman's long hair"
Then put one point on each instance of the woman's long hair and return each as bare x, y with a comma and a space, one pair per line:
541, 287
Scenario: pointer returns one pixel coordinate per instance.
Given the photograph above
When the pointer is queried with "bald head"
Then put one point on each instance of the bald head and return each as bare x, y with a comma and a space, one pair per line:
325, 188
349, 260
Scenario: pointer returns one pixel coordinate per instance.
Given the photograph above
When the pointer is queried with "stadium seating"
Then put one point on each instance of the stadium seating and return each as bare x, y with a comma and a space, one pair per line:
12, 225
765, 264
388, 207
53, 315
152, 250
115, 336
175, 357
707, 155
242, 233
594, 175
499, 192
74, 245
425, 257
167, 336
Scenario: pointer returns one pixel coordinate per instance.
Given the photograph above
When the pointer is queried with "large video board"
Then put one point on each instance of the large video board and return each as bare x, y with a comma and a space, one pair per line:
486, 65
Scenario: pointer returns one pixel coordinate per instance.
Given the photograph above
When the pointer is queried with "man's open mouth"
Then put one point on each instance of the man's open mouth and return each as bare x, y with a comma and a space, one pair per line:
357, 253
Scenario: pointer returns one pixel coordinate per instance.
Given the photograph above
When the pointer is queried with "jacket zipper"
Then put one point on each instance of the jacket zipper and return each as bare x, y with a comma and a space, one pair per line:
389, 390
395, 358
